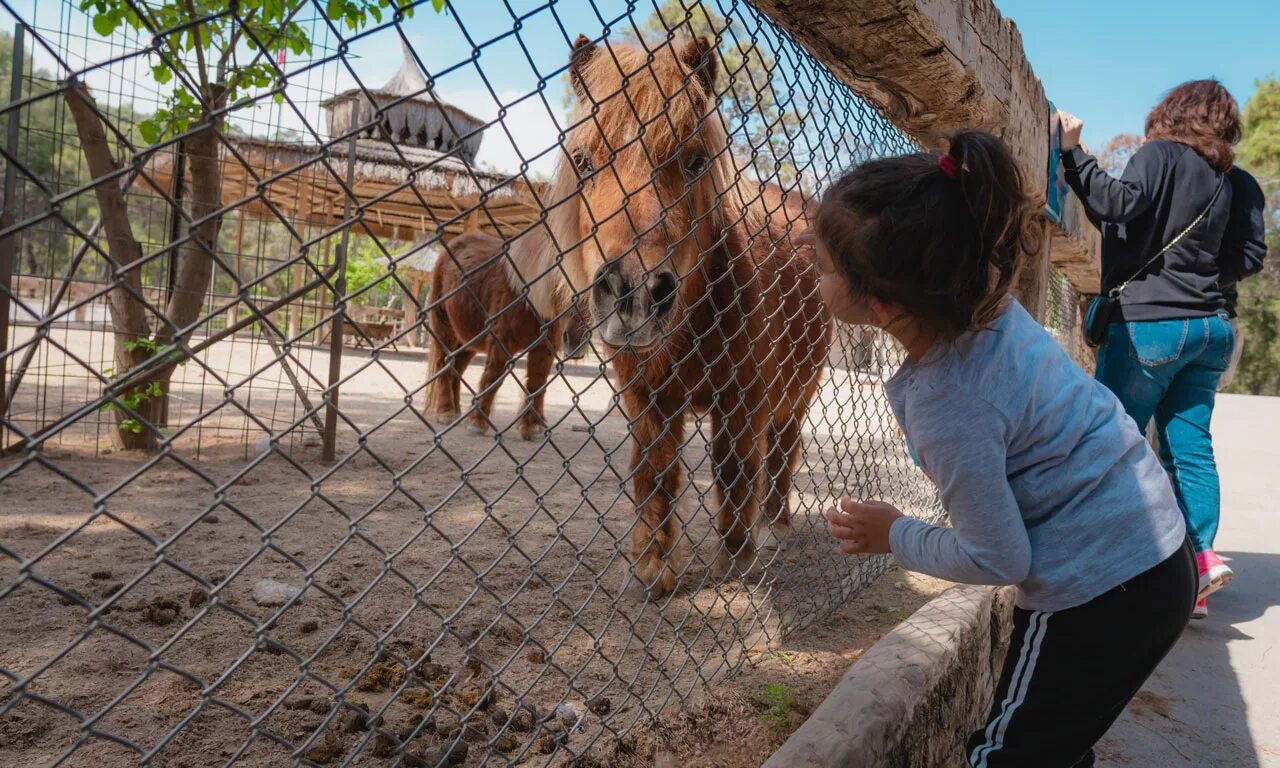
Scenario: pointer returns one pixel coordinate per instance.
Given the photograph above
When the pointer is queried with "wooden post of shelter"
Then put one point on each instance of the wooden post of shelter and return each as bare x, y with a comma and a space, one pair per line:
237, 257
9, 245
339, 312
295, 282
237, 265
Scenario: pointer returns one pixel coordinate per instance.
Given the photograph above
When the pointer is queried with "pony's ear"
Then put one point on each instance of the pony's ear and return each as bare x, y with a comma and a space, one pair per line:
583, 49
699, 56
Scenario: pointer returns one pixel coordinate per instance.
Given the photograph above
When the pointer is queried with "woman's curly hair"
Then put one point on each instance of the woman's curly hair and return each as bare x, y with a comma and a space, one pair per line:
1203, 115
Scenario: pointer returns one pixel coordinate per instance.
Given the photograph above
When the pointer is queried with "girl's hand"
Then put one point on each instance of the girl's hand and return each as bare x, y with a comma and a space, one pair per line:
804, 241
862, 528
1069, 137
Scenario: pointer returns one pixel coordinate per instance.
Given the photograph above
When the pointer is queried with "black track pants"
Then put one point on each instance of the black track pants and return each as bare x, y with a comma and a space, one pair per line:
1069, 674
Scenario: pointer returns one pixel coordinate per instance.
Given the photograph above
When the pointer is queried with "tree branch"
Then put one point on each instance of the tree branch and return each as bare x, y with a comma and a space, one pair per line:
262, 48
204, 72
195, 258
128, 315
236, 34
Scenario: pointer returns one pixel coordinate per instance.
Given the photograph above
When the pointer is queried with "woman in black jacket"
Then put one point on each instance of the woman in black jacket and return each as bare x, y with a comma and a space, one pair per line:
1171, 340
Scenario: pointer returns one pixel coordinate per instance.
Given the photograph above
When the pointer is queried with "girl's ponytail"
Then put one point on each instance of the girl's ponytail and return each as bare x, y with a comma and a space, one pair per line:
994, 194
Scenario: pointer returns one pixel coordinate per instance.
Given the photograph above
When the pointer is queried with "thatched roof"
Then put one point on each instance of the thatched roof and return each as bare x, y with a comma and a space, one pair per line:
408, 111
423, 261
431, 171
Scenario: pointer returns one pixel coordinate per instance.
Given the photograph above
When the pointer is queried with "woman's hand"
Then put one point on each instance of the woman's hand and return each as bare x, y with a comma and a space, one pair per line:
1069, 135
862, 528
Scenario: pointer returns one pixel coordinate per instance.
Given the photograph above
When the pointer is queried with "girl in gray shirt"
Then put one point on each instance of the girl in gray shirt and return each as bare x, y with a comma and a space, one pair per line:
1047, 483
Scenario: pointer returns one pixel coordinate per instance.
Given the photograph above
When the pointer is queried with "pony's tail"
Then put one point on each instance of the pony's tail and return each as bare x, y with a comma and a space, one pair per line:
441, 337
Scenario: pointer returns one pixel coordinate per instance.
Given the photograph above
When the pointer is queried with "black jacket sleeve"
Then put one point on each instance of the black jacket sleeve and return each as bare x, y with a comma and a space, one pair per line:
1108, 198
1244, 243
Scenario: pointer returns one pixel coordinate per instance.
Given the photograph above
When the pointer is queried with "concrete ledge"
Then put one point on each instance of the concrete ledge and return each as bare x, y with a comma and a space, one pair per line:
913, 699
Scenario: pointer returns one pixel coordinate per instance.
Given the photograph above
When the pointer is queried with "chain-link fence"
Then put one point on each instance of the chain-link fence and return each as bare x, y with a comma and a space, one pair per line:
1062, 317
259, 510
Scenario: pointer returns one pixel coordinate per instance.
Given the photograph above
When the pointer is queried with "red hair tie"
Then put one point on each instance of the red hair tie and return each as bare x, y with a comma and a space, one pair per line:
949, 166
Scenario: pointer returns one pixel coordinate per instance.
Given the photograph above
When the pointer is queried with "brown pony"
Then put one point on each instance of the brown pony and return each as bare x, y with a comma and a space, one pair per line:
474, 307
693, 287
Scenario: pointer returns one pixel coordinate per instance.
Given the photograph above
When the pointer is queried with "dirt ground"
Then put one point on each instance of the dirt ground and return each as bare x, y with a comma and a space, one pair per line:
464, 599
775, 691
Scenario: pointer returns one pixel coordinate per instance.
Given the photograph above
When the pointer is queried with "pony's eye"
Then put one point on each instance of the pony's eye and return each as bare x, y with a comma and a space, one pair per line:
695, 164
582, 161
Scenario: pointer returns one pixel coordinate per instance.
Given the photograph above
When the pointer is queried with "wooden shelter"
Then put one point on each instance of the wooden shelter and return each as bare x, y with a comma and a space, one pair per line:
400, 166
410, 157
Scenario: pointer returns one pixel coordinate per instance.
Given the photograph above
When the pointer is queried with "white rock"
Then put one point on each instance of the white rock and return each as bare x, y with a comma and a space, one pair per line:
569, 714
271, 593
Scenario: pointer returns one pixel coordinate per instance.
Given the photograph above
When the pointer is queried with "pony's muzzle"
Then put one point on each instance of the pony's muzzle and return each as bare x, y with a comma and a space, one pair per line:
630, 307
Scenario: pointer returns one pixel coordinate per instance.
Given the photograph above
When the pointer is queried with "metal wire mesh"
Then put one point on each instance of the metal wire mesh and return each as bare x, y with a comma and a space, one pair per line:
1063, 319
235, 530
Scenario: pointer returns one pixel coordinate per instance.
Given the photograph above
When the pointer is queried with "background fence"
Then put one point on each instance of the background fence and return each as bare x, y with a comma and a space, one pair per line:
233, 527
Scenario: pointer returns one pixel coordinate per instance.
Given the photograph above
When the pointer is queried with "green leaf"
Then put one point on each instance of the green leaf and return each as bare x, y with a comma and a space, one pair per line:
162, 73
335, 8
278, 97
439, 5
104, 24
144, 344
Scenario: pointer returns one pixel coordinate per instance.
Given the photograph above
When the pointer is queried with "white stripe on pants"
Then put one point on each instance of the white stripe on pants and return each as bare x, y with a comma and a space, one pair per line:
1018, 685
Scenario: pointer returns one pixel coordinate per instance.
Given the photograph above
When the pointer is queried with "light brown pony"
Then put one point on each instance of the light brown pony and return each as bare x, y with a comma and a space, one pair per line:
693, 287
475, 308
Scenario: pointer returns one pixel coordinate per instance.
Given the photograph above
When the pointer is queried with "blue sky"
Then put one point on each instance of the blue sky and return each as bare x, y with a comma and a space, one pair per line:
1109, 62
504, 75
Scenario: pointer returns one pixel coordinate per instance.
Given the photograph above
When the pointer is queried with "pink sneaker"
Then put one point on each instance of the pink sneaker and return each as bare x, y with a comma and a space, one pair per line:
1214, 574
1201, 611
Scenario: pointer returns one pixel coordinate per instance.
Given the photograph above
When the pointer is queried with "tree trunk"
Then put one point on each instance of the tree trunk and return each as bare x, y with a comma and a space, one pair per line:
128, 310
195, 259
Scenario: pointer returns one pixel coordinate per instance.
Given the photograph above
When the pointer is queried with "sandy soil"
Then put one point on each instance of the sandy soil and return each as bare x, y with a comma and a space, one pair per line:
459, 587
774, 692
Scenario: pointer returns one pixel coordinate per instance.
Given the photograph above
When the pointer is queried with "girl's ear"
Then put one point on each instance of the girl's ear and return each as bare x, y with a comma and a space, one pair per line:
883, 312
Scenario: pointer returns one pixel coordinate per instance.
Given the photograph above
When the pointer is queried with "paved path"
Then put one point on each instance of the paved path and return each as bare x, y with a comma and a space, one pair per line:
1215, 702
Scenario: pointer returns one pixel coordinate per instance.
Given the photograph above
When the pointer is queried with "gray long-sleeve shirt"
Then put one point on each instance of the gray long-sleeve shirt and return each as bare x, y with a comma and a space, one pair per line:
1047, 482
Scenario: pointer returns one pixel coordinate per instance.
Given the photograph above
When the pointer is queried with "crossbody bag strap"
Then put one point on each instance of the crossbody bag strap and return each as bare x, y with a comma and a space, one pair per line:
1115, 292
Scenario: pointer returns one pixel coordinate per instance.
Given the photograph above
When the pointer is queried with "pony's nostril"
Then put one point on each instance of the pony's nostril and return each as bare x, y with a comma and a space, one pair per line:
608, 281
663, 291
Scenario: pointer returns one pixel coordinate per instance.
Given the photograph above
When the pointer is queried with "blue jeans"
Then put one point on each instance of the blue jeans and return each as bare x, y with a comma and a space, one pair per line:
1169, 370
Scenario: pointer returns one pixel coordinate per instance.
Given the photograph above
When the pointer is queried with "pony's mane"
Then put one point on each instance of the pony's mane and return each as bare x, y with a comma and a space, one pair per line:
629, 86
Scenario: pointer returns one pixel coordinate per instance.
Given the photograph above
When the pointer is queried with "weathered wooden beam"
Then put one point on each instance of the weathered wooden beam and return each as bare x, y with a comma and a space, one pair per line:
1077, 247
932, 66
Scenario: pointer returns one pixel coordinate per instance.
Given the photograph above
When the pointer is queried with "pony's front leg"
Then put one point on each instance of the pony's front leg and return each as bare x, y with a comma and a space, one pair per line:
656, 477
736, 459
537, 368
